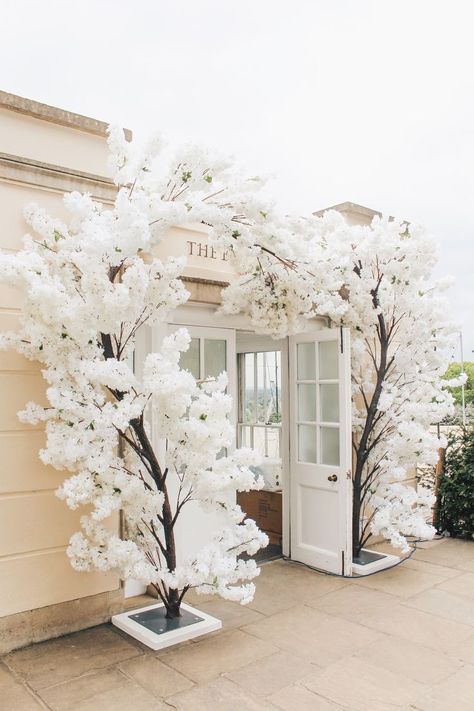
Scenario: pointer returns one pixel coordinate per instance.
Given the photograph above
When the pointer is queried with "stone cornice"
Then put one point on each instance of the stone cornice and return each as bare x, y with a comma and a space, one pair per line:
204, 291
55, 177
52, 114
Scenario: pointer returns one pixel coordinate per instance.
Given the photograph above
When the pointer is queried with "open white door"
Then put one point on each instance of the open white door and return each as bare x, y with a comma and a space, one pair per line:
320, 449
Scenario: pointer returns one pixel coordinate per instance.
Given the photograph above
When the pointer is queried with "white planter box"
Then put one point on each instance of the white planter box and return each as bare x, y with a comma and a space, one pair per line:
157, 632
375, 561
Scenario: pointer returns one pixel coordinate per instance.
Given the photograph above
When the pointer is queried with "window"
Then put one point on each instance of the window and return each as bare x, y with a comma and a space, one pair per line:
317, 412
259, 424
206, 357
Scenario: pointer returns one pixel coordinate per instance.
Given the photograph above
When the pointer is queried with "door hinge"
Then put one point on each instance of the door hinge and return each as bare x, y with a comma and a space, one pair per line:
343, 568
342, 339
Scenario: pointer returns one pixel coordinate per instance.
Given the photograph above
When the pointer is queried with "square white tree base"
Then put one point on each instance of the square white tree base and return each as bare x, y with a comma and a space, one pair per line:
373, 561
150, 626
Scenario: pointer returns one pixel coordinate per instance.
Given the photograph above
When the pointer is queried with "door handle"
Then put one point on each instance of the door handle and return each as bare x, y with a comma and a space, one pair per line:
333, 477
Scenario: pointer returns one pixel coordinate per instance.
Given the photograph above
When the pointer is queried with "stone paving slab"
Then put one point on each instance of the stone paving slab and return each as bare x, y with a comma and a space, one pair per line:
14, 695
401, 640
297, 698
220, 694
211, 656
462, 584
267, 675
49, 663
361, 686
439, 602
410, 659
354, 603
104, 691
415, 563
154, 676
312, 635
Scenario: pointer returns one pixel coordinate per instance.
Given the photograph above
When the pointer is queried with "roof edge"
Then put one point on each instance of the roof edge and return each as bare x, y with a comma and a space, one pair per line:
52, 114
350, 207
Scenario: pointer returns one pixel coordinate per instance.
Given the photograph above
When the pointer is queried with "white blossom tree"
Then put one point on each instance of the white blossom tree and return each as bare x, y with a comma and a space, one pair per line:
88, 286
377, 280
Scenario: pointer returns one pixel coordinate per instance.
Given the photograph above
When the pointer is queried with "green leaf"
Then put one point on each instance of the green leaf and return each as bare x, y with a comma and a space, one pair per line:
457, 485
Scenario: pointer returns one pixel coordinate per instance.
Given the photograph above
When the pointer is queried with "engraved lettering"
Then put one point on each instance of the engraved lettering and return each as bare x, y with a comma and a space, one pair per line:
202, 250
205, 251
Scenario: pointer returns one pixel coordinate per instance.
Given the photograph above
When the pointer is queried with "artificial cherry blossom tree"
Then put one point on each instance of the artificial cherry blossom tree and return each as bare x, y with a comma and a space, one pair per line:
89, 285
377, 280
401, 342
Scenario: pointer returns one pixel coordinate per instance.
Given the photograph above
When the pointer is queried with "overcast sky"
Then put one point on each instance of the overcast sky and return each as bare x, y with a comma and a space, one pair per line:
366, 101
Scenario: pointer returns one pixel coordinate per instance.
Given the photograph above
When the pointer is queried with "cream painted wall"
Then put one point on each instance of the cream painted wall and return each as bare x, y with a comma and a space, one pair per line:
35, 526
49, 142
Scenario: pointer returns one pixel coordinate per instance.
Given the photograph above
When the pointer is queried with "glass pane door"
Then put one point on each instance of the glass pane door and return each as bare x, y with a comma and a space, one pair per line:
320, 449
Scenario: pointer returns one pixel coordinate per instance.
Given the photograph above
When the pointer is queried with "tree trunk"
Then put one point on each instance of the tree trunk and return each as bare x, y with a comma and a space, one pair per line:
438, 475
173, 604
363, 447
144, 449
172, 597
356, 511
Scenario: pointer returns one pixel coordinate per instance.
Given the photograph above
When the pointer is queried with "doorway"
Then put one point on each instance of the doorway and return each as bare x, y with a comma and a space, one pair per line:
292, 402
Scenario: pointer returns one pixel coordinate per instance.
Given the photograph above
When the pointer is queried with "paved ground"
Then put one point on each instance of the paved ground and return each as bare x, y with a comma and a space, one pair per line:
403, 639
